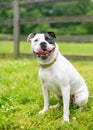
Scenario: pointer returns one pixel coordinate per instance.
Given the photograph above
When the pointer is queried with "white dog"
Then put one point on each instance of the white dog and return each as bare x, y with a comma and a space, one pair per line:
57, 74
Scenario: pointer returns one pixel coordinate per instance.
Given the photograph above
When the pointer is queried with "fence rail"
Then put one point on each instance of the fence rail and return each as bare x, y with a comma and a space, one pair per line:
6, 4
60, 19
76, 38
30, 2
70, 57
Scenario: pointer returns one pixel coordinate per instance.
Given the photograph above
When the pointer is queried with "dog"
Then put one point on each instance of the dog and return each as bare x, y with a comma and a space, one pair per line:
57, 74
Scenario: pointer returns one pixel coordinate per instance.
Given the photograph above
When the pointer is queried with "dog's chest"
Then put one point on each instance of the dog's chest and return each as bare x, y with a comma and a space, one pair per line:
49, 80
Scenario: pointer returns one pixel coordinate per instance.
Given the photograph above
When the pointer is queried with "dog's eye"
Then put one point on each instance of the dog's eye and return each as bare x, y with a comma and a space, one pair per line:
36, 40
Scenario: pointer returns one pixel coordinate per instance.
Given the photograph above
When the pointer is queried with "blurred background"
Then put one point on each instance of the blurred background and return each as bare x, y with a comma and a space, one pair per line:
71, 20
74, 8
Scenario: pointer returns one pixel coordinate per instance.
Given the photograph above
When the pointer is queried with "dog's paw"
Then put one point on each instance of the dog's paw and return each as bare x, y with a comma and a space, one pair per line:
64, 122
54, 106
43, 110
66, 119
80, 109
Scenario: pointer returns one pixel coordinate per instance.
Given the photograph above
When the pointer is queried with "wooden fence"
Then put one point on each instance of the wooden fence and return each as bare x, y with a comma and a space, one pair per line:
17, 21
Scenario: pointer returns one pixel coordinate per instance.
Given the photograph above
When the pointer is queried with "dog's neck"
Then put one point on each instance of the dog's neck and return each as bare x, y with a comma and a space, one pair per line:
44, 66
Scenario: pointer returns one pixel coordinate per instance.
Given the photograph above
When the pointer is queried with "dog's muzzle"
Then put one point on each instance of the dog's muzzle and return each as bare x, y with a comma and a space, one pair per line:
43, 46
43, 53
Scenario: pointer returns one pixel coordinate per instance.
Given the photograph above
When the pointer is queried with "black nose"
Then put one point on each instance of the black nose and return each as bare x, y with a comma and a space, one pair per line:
43, 45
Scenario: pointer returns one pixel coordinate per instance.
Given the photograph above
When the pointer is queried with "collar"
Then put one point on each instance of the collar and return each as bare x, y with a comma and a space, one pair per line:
48, 65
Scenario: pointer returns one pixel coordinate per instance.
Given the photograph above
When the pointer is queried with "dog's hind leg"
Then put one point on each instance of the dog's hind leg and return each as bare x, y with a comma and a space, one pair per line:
81, 98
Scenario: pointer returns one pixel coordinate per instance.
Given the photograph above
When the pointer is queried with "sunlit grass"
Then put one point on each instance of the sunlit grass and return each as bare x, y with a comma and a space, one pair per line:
21, 98
76, 48
65, 48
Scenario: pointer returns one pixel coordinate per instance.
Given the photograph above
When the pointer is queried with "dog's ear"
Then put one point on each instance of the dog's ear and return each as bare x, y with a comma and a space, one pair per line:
30, 36
52, 34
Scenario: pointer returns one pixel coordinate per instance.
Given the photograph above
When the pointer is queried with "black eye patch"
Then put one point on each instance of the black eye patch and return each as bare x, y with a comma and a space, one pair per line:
49, 39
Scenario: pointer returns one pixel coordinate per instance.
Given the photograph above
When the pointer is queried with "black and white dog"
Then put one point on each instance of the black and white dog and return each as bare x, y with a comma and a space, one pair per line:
57, 74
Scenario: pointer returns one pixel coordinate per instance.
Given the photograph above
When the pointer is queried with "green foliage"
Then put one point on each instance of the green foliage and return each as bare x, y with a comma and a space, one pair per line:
21, 98
83, 7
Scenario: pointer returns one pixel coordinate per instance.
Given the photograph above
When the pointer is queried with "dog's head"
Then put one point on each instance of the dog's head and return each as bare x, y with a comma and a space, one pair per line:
43, 45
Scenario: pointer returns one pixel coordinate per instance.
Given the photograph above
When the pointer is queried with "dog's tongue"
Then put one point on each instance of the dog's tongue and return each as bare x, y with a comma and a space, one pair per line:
42, 52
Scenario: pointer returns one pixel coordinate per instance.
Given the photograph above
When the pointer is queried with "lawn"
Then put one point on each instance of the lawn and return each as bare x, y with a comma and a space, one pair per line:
70, 48
21, 98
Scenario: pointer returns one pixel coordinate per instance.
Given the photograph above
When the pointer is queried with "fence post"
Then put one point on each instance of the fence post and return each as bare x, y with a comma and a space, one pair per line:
16, 29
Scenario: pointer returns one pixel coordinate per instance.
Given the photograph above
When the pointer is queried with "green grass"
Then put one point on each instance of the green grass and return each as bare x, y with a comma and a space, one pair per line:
70, 48
76, 48
21, 98
8, 47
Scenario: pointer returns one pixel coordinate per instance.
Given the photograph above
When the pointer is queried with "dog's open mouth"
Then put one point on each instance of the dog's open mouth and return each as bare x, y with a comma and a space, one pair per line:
43, 54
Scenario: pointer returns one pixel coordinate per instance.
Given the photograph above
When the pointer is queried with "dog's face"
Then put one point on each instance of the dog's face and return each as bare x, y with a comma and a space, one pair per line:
43, 45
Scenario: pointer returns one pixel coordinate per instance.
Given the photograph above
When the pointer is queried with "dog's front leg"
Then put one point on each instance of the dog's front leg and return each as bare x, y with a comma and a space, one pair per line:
66, 101
46, 99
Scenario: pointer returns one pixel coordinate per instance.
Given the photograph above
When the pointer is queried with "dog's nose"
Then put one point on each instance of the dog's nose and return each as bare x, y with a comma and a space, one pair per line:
43, 45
